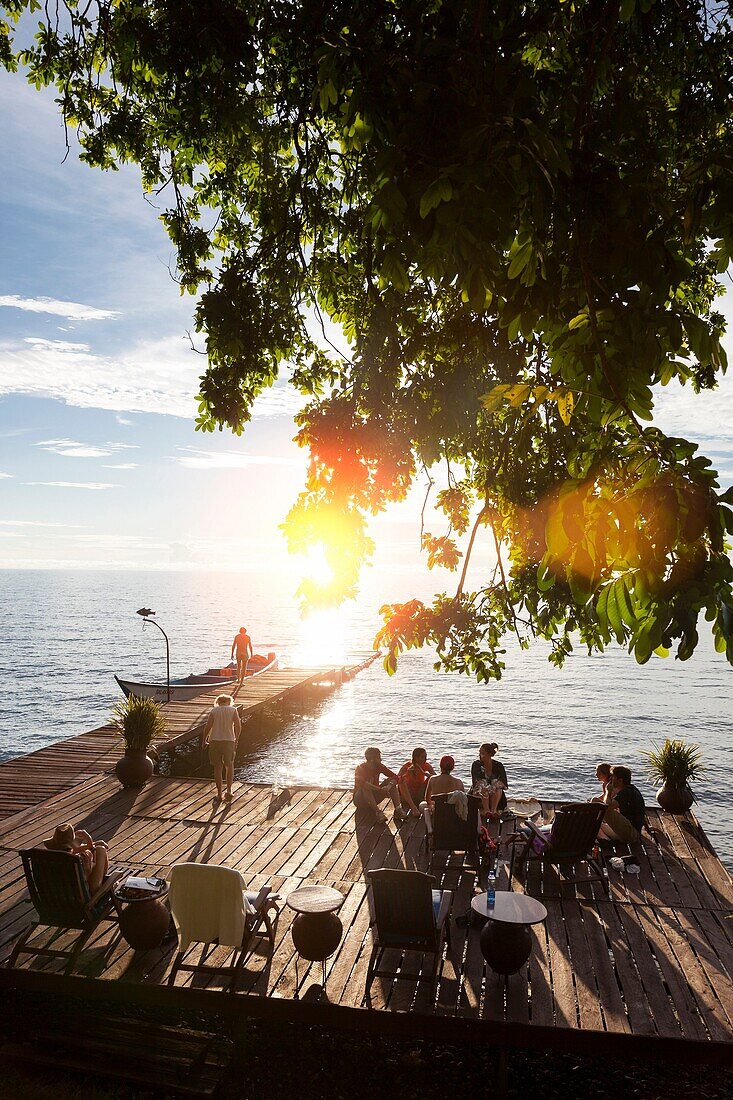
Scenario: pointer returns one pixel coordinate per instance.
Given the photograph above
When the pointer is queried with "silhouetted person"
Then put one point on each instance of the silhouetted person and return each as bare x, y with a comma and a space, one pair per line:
242, 648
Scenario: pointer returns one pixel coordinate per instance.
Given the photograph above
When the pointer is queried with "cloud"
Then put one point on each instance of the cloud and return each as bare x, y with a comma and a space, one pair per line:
5, 475
69, 448
153, 376
75, 484
37, 523
72, 311
120, 465
124, 421
194, 459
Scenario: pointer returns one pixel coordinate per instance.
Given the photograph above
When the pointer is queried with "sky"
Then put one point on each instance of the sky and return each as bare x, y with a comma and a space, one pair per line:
100, 466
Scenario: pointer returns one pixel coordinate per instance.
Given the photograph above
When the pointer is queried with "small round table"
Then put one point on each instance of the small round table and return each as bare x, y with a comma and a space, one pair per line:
316, 930
144, 920
506, 942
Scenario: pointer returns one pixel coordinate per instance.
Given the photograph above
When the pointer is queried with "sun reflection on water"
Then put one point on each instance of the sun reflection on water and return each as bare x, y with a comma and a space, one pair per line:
321, 742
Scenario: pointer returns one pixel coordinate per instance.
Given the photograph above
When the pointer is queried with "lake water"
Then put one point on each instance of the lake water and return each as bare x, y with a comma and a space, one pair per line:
66, 633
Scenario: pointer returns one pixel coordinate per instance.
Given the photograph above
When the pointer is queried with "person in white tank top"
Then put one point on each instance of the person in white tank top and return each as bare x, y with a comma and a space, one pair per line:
221, 734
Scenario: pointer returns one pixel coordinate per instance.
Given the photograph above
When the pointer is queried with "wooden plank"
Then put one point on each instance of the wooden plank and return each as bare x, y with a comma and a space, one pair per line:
635, 997
641, 935
586, 990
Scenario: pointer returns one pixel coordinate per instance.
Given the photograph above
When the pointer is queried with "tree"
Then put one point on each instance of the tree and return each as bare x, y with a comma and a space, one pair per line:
516, 213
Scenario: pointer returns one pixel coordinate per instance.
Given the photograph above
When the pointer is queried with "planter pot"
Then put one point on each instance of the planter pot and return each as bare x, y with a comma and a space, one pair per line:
675, 800
134, 768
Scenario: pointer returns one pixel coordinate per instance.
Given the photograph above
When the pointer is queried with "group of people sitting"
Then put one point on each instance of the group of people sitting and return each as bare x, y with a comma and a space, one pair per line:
417, 782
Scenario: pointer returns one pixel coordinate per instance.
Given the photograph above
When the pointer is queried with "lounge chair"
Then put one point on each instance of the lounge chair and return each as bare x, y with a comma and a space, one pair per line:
211, 906
572, 840
448, 832
60, 895
407, 914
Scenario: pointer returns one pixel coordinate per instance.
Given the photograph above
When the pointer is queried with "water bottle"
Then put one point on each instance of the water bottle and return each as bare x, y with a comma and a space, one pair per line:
491, 890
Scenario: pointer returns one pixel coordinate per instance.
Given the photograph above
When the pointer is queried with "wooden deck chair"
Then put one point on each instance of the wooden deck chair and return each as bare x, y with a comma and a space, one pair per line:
448, 832
572, 840
407, 914
211, 906
60, 895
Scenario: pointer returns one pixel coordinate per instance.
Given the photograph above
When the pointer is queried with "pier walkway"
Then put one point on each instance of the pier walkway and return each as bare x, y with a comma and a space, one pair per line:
28, 780
646, 971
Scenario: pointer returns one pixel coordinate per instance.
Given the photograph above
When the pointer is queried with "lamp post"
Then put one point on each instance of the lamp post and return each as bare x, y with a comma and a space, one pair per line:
146, 615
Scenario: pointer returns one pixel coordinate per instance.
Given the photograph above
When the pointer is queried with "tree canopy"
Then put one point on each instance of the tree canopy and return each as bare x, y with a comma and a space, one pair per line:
516, 214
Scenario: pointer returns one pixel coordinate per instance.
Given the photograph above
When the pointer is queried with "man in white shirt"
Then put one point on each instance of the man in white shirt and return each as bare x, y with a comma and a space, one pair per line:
221, 734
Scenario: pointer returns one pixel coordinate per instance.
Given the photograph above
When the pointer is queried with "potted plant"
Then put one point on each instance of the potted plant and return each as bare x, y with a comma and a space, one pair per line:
673, 765
140, 722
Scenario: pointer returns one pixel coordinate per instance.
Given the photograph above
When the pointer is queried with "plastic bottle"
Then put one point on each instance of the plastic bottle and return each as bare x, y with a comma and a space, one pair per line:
491, 890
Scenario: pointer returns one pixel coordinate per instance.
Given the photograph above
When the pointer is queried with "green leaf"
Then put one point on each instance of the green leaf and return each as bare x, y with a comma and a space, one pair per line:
614, 614
565, 404
581, 321
440, 190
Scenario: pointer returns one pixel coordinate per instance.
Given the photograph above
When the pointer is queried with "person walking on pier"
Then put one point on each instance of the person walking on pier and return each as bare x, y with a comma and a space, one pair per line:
221, 734
242, 648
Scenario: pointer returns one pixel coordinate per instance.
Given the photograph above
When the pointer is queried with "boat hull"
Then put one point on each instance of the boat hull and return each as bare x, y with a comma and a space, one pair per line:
191, 686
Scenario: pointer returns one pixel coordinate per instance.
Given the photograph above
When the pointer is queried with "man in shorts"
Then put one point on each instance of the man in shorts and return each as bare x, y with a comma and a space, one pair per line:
624, 816
242, 648
221, 734
369, 792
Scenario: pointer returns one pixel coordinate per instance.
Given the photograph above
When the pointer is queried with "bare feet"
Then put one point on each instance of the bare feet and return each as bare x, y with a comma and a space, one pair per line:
379, 817
228, 796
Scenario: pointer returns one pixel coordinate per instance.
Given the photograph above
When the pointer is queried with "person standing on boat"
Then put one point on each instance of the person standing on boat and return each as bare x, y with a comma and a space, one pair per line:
221, 734
242, 648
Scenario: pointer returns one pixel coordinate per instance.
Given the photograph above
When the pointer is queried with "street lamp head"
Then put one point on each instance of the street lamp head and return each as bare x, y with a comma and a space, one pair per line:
145, 612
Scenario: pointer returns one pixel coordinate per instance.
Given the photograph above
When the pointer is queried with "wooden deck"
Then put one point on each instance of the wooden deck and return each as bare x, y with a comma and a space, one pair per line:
28, 780
647, 971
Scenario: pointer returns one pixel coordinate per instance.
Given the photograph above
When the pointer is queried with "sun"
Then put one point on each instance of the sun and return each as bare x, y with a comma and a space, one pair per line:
316, 567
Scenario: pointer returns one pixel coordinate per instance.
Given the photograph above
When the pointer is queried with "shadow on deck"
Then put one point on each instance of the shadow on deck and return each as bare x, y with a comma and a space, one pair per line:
651, 964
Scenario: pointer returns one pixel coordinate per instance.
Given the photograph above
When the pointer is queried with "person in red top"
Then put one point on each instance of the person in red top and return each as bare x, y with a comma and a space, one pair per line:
369, 792
413, 779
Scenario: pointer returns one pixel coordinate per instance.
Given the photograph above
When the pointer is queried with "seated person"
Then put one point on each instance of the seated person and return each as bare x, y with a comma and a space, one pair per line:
443, 782
93, 853
624, 816
603, 775
369, 792
413, 779
489, 780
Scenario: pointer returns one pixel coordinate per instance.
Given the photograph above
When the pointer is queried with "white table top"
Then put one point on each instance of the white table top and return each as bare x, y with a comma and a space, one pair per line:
510, 908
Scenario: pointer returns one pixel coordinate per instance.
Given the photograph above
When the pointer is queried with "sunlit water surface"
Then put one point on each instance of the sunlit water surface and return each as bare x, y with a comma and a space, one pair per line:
66, 633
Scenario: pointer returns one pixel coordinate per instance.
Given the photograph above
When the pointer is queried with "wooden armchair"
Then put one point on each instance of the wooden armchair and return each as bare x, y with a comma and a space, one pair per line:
60, 895
573, 837
407, 914
448, 832
210, 905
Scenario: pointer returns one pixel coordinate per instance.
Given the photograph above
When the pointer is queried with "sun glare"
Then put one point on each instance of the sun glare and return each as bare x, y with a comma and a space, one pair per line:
316, 567
323, 639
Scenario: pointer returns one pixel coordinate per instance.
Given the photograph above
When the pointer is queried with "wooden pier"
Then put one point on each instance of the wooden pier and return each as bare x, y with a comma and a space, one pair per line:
28, 780
647, 970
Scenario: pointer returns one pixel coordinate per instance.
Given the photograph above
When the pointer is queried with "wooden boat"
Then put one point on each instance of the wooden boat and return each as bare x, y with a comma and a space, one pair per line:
196, 684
